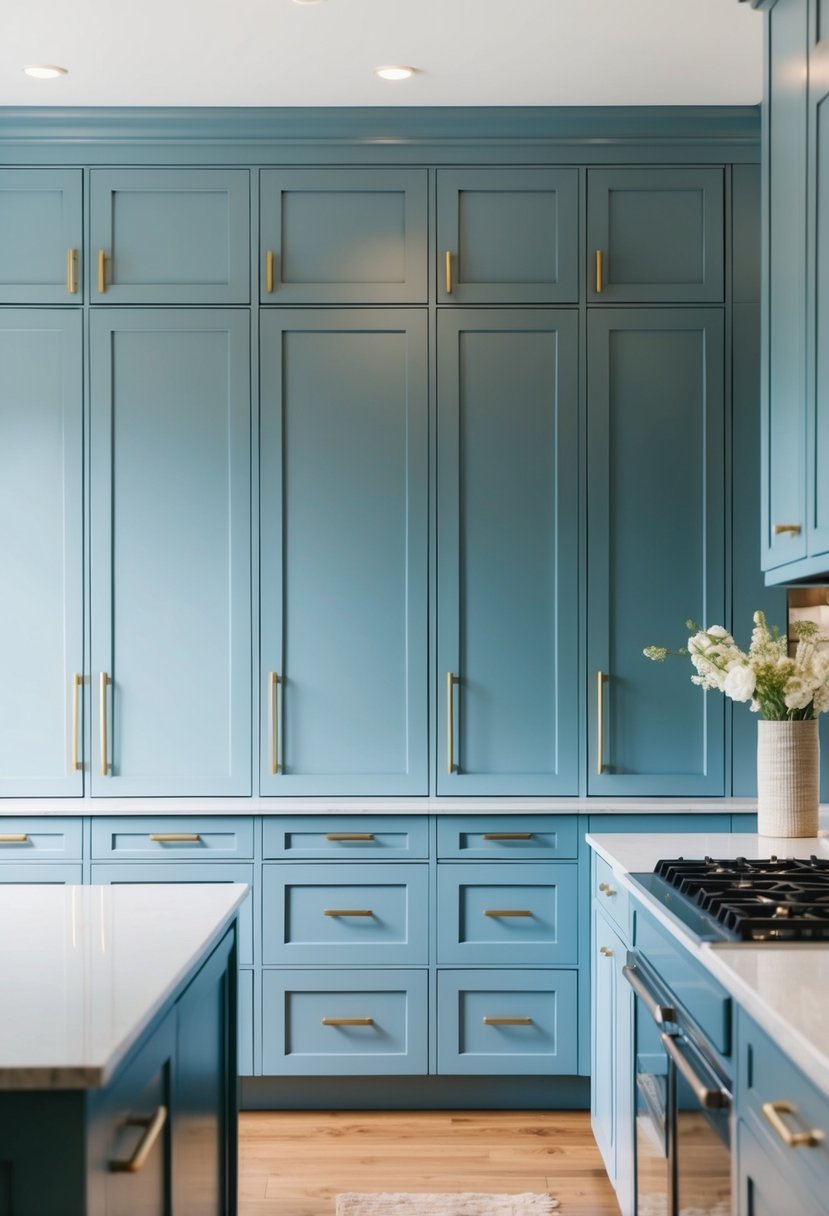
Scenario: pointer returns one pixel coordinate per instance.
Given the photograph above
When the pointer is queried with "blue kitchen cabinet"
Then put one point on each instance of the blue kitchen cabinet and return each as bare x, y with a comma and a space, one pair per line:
817, 290
611, 1068
507, 236
170, 552
768, 1184
508, 613
42, 691
656, 546
343, 552
343, 236
655, 235
42, 246
169, 236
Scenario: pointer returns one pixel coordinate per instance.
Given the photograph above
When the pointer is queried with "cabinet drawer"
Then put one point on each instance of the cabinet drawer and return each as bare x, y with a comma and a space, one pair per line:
48, 872
183, 872
507, 915
146, 839
350, 913
609, 896
507, 1022
40, 218
507, 836
305, 1028
40, 839
353, 837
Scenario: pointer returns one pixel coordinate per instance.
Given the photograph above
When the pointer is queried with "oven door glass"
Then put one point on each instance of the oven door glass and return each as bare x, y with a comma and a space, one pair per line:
653, 1172
702, 1139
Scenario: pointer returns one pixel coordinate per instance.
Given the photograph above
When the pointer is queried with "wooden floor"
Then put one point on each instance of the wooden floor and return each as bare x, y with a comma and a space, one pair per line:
294, 1164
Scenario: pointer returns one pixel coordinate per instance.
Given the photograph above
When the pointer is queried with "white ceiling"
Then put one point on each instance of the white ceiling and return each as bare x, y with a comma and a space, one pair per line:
467, 52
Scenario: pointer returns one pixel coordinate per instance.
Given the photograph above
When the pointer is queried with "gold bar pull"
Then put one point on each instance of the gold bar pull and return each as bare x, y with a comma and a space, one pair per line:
345, 836
600, 679
606, 889
273, 710
72, 271
451, 681
508, 1021
447, 269
102, 695
507, 912
508, 836
348, 1021
781, 529
606, 951
74, 759
14, 838
599, 272
153, 1124
176, 837
348, 912
774, 1112
102, 272
269, 264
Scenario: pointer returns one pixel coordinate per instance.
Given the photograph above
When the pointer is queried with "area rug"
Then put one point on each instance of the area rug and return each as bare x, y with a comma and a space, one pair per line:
531, 1204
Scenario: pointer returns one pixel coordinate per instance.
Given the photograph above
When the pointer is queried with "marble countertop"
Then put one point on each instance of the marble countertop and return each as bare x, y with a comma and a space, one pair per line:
85, 969
784, 987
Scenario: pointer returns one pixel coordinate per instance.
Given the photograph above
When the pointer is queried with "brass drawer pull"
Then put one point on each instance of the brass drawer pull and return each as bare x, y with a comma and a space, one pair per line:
72, 271
348, 912
781, 529
600, 680
102, 272
74, 759
153, 1124
606, 951
349, 836
774, 1112
14, 838
451, 681
507, 912
269, 263
348, 1021
176, 837
273, 711
606, 889
447, 270
508, 1021
102, 695
599, 272
508, 836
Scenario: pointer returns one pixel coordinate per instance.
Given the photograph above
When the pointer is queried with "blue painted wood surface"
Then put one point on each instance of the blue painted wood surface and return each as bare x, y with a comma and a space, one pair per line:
507, 837
41, 219
342, 837
125, 838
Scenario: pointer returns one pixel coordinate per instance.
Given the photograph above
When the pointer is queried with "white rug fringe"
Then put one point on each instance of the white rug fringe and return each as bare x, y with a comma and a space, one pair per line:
530, 1204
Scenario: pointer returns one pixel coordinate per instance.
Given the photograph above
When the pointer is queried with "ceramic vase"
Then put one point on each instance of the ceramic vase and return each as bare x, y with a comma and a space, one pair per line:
788, 778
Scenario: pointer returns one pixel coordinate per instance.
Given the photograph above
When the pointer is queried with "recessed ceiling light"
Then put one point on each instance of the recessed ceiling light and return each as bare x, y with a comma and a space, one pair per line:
309, 1
394, 72
43, 71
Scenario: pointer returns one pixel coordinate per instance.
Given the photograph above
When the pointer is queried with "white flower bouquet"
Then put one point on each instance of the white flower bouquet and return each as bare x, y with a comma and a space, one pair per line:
781, 687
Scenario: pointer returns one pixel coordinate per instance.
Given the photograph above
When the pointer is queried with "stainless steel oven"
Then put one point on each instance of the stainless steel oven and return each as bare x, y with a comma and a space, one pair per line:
682, 1104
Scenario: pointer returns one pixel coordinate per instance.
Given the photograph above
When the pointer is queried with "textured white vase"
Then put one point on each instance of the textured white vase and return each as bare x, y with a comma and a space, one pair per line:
788, 778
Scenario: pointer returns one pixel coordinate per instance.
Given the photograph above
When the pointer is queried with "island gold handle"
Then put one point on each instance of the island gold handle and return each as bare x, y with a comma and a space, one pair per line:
599, 272
74, 758
507, 912
348, 912
72, 271
606, 889
102, 272
508, 1021
154, 1125
782, 529
14, 838
447, 271
269, 265
606, 951
348, 1021
104, 680
508, 836
343, 837
774, 1112
176, 837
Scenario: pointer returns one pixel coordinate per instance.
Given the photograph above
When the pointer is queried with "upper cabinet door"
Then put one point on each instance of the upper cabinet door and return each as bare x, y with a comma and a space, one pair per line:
343, 236
817, 432
508, 236
507, 551
655, 546
41, 552
655, 235
344, 533
170, 552
169, 236
41, 242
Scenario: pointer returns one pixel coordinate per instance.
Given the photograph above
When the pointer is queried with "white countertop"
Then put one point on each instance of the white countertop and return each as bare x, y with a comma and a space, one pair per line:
85, 969
785, 988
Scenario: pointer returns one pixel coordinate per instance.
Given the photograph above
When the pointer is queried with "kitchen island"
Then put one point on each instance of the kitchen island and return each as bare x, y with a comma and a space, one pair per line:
118, 1049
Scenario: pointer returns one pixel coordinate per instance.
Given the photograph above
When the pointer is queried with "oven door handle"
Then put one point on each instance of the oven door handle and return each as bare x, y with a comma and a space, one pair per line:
709, 1097
660, 1013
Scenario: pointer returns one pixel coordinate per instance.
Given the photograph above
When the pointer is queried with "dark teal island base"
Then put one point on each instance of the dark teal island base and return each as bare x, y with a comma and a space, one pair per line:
416, 1093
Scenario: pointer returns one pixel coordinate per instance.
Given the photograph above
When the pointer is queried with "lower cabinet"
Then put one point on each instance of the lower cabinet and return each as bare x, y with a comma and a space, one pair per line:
611, 1092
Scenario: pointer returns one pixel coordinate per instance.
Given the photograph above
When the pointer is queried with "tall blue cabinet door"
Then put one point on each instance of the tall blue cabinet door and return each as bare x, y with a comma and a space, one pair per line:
169, 236
343, 559
655, 235
170, 552
655, 545
507, 552
41, 552
343, 236
508, 236
41, 245
817, 442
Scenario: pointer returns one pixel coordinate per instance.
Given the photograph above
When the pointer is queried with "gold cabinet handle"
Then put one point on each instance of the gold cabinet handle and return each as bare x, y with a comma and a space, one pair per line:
74, 758
348, 1021
599, 272
606, 951
102, 696
606, 889
447, 271
102, 272
508, 1021
273, 711
14, 838
774, 1112
600, 680
72, 271
507, 912
269, 265
348, 912
342, 837
153, 1125
451, 681
508, 836
782, 529
176, 837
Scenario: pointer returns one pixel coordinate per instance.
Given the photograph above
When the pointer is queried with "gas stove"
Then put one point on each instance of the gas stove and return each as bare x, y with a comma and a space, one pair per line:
745, 899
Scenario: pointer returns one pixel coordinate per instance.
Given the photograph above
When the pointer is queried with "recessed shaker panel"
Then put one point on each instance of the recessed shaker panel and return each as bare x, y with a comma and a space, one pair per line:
41, 254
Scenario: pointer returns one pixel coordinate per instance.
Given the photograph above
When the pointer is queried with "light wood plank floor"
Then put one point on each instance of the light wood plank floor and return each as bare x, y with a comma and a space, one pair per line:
295, 1163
